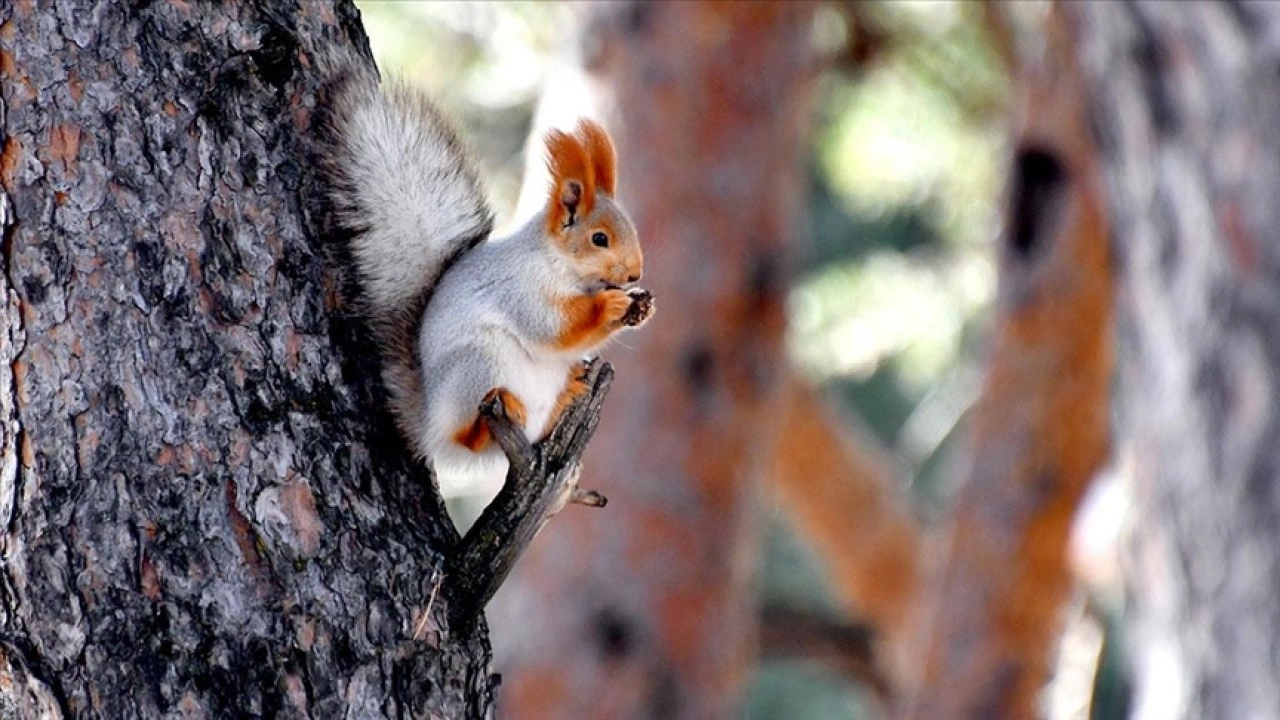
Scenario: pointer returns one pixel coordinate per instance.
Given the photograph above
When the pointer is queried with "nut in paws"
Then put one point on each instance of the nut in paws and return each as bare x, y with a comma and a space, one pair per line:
641, 308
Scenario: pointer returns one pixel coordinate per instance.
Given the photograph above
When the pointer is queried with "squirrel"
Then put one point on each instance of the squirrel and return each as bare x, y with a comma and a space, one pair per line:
460, 316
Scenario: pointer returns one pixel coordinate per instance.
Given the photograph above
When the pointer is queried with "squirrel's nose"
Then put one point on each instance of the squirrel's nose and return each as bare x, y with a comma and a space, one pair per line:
634, 278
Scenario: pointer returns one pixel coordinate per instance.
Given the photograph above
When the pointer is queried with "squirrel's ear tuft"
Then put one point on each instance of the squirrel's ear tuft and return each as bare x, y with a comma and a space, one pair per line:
573, 186
604, 160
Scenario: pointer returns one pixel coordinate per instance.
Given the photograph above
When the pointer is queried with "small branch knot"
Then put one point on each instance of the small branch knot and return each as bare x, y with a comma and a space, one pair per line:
590, 498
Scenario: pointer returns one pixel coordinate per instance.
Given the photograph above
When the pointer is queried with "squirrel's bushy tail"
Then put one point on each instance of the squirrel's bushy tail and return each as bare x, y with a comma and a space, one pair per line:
404, 194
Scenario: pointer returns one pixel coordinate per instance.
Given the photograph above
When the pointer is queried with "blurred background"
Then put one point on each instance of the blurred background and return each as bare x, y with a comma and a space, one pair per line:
894, 129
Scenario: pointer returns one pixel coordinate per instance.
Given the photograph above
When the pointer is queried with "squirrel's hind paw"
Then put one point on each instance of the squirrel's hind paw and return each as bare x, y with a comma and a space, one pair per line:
507, 404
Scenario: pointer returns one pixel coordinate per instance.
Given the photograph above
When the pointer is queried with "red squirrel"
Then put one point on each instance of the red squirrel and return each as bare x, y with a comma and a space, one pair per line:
461, 316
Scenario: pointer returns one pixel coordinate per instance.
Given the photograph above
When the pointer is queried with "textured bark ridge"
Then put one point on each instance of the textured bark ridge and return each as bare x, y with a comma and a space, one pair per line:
198, 516
1186, 103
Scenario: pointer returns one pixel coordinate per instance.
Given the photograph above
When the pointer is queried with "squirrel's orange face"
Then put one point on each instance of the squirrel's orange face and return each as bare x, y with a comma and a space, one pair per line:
603, 247
583, 217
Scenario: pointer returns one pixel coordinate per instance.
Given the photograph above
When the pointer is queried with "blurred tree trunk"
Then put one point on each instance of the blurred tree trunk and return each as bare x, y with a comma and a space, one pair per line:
844, 493
195, 522
1186, 103
991, 611
646, 609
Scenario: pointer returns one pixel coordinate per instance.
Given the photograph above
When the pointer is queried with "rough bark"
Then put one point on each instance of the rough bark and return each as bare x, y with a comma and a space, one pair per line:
1186, 102
205, 512
992, 612
646, 610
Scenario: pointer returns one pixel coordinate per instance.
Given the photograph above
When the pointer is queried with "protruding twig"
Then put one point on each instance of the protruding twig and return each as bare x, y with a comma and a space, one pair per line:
590, 498
542, 479
436, 581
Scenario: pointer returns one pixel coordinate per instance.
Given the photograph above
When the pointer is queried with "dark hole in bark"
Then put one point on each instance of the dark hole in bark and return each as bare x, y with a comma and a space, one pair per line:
35, 290
274, 56
59, 265
766, 280
1039, 187
615, 634
697, 366
637, 18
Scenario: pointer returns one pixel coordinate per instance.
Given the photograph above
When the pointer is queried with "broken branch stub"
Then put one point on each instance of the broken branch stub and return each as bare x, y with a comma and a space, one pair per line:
541, 480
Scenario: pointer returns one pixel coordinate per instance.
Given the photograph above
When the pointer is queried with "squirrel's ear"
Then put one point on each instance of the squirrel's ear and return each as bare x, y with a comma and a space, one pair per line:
604, 160
572, 181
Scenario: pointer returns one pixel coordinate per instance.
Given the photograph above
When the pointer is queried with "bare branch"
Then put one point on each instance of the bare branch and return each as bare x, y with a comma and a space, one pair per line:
848, 648
542, 479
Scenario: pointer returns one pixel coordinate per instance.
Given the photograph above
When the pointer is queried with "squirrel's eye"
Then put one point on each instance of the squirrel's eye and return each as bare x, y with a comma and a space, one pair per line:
600, 240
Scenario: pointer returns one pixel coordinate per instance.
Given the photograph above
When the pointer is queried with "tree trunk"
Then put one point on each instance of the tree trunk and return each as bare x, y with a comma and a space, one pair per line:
993, 609
1186, 103
843, 492
645, 610
200, 518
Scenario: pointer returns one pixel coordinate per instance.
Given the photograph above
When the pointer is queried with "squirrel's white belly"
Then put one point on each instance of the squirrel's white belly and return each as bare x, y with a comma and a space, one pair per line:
538, 385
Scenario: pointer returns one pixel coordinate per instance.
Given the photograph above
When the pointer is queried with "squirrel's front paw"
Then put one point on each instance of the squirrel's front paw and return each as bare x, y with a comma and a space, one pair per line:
640, 309
615, 304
